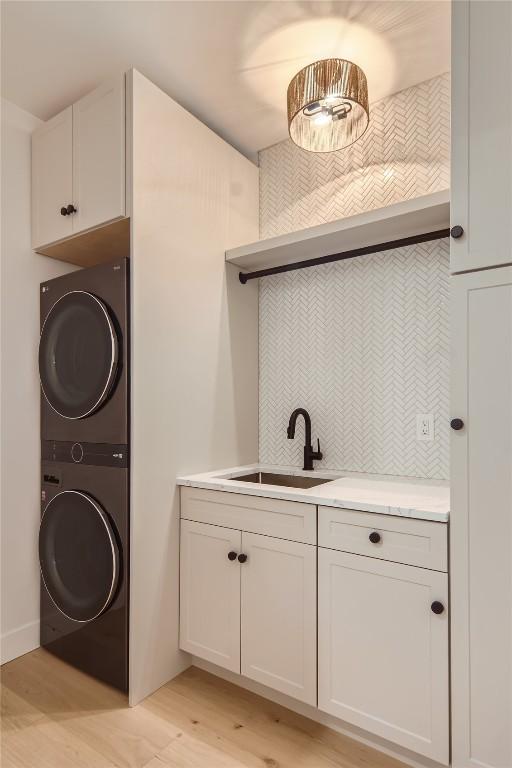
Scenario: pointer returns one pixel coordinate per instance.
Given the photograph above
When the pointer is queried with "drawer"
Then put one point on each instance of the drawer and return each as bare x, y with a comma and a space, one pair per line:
290, 520
401, 540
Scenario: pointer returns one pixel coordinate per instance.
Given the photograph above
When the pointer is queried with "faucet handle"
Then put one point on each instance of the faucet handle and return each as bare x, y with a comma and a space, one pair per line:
319, 453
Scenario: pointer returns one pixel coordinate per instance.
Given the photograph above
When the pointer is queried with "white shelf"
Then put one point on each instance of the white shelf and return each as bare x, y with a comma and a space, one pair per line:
411, 217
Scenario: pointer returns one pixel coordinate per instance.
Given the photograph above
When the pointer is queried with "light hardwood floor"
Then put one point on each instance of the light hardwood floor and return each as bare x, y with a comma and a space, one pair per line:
56, 717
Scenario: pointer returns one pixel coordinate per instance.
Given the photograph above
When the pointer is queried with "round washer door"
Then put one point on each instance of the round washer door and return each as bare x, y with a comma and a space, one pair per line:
78, 555
78, 355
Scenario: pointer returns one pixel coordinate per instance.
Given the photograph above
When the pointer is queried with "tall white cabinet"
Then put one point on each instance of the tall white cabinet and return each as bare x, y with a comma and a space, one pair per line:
481, 521
481, 380
194, 354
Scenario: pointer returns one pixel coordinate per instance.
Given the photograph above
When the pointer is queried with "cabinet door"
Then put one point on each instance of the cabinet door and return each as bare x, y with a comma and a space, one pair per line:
99, 155
481, 186
210, 593
481, 519
52, 179
382, 652
279, 615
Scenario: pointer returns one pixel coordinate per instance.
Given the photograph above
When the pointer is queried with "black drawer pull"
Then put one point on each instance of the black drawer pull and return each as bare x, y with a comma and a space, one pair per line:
456, 231
437, 607
232, 555
374, 537
456, 424
242, 558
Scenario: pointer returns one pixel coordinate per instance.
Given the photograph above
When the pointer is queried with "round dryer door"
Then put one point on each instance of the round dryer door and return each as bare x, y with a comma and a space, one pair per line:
78, 555
78, 355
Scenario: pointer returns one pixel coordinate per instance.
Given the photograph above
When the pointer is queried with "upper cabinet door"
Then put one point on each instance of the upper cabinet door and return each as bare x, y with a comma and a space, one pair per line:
99, 156
52, 179
481, 185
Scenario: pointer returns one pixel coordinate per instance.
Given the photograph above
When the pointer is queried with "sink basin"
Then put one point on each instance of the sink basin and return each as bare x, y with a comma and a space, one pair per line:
290, 481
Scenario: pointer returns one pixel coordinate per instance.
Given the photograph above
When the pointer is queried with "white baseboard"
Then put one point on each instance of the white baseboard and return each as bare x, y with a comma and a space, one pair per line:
406, 756
19, 641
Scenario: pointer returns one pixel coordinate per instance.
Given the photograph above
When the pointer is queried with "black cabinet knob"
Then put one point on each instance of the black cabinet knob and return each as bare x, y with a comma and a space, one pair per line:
456, 231
456, 424
437, 607
63, 211
70, 209
232, 555
242, 558
374, 537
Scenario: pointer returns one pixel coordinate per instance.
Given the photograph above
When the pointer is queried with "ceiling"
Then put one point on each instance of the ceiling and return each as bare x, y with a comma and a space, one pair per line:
227, 62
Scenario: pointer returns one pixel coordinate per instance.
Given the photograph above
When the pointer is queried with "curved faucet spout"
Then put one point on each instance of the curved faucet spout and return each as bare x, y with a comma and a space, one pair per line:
293, 420
309, 453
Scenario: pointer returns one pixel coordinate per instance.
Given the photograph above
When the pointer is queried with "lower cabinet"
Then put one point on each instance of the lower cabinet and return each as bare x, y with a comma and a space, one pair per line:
375, 587
383, 649
248, 604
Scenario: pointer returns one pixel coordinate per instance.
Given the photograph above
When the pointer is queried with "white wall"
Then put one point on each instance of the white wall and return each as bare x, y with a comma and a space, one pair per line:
21, 273
194, 350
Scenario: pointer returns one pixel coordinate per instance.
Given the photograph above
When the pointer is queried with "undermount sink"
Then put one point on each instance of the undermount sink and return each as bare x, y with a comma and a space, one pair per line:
290, 481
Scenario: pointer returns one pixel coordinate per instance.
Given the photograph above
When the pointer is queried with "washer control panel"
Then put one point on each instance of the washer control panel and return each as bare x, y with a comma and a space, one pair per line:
93, 454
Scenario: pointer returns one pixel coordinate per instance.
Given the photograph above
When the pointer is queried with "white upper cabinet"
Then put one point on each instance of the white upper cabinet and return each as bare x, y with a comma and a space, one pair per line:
52, 178
481, 182
79, 166
382, 651
99, 155
279, 615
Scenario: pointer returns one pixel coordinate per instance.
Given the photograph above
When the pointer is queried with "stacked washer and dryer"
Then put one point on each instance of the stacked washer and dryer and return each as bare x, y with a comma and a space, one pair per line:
84, 532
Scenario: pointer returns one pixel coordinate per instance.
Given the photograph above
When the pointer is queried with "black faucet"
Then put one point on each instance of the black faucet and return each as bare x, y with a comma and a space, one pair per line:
309, 453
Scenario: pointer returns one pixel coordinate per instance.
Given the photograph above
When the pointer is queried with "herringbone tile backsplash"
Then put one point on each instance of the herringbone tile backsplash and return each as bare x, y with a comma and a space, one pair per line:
404, 153
362, 344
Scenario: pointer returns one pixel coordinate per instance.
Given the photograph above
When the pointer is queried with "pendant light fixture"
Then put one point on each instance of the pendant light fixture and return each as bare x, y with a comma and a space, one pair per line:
328, 105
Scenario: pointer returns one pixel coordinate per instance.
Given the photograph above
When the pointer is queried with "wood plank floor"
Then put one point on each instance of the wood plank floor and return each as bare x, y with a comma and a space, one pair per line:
56, 717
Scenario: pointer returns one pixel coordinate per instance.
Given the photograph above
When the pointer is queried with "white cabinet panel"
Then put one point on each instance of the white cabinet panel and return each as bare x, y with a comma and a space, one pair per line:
210, 593
279, 615
99, 155
481, 519
481, 185
382, 652
412, 542
52, 179
291, 520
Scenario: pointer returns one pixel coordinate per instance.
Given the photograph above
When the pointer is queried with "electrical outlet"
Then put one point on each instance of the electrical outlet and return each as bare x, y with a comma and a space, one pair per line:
424, 426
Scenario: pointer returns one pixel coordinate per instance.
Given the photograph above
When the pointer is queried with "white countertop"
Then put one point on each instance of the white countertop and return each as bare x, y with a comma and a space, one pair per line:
381, 494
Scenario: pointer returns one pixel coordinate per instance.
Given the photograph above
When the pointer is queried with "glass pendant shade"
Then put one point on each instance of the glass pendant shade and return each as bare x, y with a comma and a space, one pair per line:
328, 105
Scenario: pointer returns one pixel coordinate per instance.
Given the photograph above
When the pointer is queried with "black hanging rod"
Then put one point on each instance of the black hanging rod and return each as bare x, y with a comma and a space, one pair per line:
424, 238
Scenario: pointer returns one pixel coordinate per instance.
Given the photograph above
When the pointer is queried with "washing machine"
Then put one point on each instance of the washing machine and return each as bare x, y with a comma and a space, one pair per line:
84, 557
83, 355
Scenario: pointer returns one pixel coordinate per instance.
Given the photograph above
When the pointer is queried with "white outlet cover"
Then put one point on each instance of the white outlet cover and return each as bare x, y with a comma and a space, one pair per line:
425, 427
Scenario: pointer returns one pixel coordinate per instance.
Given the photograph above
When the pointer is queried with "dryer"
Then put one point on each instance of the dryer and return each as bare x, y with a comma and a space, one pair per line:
83, 355
84, 558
